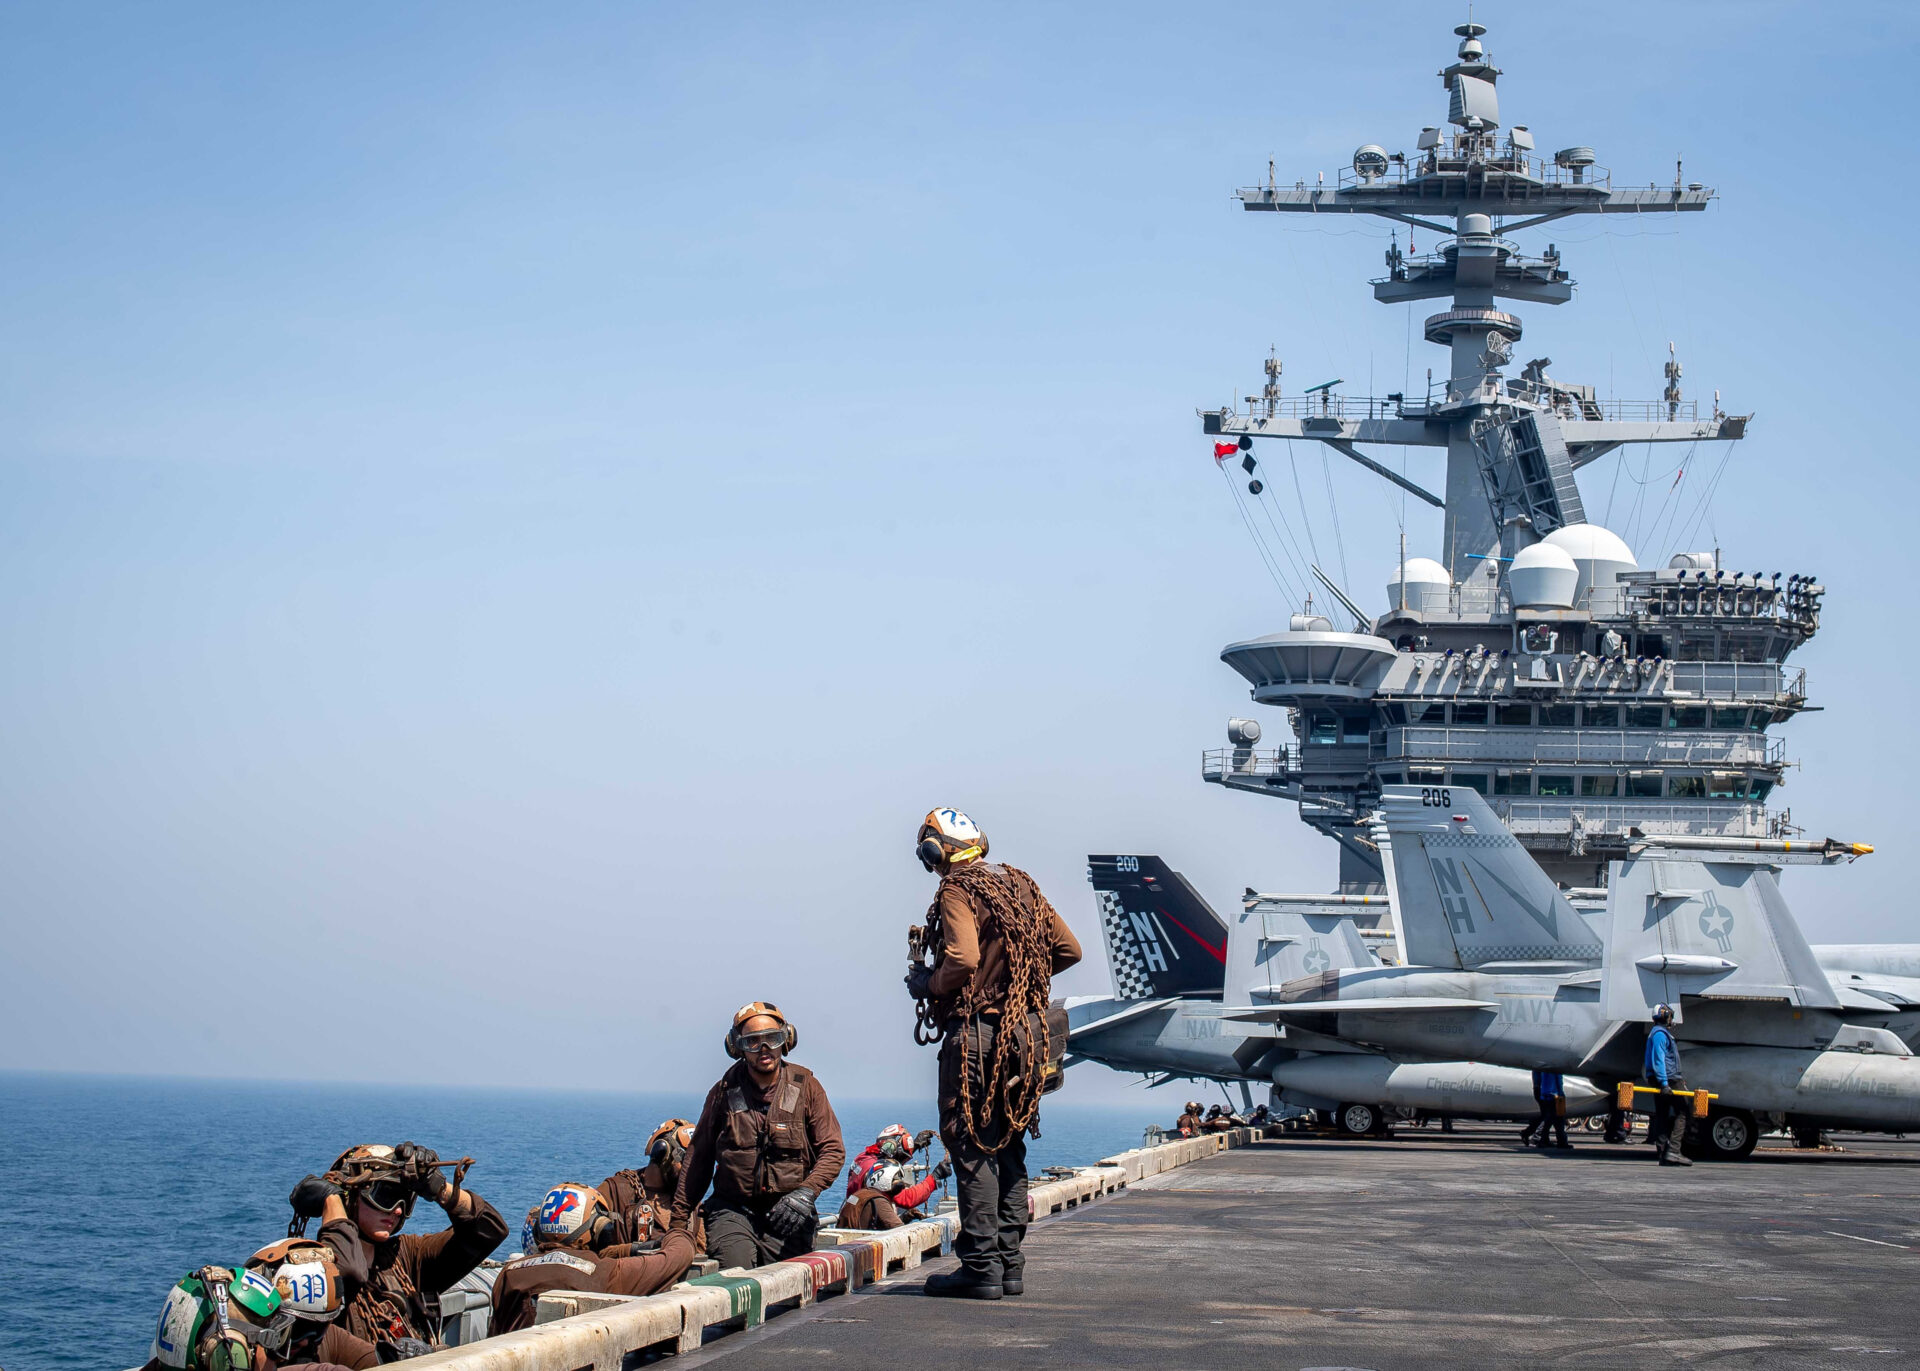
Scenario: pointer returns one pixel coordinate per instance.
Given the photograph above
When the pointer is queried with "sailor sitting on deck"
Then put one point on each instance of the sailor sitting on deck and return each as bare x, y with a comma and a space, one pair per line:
767, 1142
881, 1191
393, 1281
642, 1198
565, 1228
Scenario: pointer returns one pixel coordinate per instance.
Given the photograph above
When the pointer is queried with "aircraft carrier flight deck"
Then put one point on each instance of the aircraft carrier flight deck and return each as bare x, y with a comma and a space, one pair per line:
1428, 1250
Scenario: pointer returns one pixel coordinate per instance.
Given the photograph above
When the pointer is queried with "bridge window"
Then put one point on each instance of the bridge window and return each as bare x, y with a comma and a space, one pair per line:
1643, 785
1599, 785
1689, 716
1324, 729
1472, 780
1392, 778
1513, 716
1761, 789
1353, 728
1556, 785
1687, 787
1644, 716
1426, 712
1419, 775
1723, 717
1556, 716
1469, 714
1601, 716
1726, 785
1513, 783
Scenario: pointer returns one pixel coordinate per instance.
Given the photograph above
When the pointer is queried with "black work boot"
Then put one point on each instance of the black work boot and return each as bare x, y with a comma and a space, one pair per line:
963, 1284
1012, 1282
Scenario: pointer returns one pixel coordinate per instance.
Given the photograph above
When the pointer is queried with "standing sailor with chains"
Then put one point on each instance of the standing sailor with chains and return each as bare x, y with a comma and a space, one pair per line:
996, 945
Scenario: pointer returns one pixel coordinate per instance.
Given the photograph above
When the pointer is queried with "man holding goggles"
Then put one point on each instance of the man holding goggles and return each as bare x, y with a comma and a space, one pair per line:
767, 1142
393, 1281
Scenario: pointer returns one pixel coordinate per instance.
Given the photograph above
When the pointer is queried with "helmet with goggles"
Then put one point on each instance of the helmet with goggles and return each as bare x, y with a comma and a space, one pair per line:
1663, 1013
372, 1172
668, 1143
895, 1143
889, 1178
781, 1039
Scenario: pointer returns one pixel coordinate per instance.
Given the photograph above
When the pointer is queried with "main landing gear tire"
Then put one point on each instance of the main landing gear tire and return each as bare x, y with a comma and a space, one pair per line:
1725, 1135
1360, 1120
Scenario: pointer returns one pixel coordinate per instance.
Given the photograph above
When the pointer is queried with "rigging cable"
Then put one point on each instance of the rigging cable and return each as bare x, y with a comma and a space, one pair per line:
1339, 543
1259, 544
1298, 494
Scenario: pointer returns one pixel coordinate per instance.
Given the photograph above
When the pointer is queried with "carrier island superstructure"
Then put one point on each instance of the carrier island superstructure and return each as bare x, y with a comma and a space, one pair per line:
1534, 660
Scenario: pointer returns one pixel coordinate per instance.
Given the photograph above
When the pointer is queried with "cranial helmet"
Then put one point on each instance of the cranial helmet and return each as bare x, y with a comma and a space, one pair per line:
754, 1011
365, 1163
1663, 1013
948, 838
896, 1144
188, 1334
304, 1273
668, 1143
889, 1178
569, 1216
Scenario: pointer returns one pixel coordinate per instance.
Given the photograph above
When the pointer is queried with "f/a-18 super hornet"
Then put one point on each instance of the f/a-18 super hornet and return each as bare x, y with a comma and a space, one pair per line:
1503, 969
1178, 972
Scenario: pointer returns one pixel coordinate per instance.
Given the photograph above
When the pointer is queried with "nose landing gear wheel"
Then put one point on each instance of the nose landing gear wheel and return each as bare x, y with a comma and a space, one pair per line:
1728, 1135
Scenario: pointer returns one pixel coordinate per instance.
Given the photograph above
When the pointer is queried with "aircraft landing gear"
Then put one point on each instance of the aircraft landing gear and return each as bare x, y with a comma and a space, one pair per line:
1725, 1135
1362, 1120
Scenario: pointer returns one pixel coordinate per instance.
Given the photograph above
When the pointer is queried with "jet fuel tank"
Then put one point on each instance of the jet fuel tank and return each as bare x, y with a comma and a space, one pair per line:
1466, 1089
1859, 1089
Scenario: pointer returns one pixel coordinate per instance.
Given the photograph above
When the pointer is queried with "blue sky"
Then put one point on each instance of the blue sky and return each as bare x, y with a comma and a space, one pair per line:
509, 515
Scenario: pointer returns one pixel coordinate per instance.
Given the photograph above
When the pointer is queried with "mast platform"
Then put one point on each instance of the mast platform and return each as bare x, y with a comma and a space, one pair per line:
1428, 1250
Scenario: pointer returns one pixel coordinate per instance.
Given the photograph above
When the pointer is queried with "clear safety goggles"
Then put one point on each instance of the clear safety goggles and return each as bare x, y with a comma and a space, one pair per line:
772, 1039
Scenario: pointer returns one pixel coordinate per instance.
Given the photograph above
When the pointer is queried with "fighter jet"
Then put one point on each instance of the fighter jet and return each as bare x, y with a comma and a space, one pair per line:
1178, 971
1503, 970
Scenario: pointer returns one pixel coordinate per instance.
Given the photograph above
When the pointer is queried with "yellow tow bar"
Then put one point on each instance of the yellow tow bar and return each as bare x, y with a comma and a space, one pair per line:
1701, 1098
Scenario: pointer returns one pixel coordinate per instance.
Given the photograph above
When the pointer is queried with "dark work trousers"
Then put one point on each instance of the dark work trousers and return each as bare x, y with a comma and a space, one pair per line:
740, 1237
1669, 1128
992, 1185
1550, 1122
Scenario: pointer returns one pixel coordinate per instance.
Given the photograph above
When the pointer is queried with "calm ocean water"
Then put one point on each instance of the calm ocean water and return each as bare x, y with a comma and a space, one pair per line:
111, 1188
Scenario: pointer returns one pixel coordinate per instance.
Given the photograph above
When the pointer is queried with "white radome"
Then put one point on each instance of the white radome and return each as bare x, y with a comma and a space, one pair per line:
1543, 576
1599, 554
1425, 587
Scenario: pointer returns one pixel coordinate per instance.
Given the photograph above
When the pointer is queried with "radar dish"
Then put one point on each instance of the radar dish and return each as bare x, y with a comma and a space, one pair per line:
1474, 104
1370, 162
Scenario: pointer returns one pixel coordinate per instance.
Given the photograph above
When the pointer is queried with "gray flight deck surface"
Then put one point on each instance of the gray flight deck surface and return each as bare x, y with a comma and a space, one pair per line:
1429, 1250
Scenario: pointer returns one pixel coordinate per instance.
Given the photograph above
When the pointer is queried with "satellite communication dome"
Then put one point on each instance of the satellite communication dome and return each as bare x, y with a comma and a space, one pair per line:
1598, 554
1425, 587
1543, 576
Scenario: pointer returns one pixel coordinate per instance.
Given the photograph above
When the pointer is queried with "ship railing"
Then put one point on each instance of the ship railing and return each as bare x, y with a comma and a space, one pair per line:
1737, 680
1247, 761
1476, 153
1582, 747
1442, 395
1732, 820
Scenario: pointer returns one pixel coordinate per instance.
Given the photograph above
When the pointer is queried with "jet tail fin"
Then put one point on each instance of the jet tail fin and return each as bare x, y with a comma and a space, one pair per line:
1678, 927
1162, 938
1465, 892
1273, 943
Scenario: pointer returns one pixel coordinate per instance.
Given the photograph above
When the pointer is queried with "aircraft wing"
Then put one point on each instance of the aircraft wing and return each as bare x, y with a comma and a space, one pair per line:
1394, 1004
1134, 1009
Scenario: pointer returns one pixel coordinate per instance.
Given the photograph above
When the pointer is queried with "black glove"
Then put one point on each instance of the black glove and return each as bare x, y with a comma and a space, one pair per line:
943, 1169
794, 1214
423, 1169
400, 1349
917, 977
923, 1140
309, 1197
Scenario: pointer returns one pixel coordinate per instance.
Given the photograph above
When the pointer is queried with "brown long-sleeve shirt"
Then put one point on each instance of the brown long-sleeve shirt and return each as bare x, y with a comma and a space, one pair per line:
402, 1277
632, 1191
964, 959
740, 1152
520, 1284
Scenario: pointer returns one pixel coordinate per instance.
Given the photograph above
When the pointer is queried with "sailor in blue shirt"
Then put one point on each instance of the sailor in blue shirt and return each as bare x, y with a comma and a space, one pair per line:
1550, 1093
1662, 1068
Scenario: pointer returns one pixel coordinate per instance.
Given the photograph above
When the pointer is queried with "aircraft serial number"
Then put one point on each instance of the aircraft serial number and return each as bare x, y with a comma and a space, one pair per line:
1437, 798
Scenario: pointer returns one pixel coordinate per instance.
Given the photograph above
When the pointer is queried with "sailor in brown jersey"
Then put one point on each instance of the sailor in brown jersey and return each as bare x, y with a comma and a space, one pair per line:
566, 1225
394, 1280
642, 1198
767, 1142
996, 944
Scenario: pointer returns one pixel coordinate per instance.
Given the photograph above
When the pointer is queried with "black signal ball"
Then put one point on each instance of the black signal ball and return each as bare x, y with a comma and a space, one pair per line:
1254, 487
1247, 464
1246, 442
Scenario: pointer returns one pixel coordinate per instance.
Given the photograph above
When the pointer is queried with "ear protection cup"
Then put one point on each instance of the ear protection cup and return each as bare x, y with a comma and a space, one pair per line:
931, 853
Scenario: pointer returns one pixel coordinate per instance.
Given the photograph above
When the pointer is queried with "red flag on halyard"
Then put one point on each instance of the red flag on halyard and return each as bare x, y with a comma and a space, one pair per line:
1222, 450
